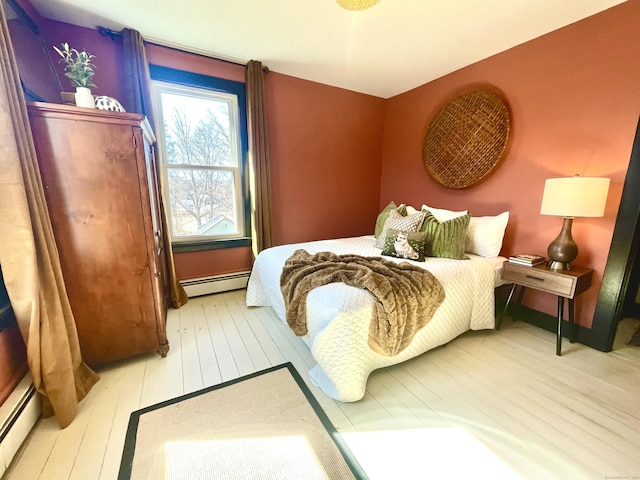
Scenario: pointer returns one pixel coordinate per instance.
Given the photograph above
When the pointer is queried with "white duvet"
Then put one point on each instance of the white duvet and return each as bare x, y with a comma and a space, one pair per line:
338, 316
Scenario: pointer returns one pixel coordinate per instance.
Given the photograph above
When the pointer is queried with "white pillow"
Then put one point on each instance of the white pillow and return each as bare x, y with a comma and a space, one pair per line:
485, 235
443, 215
411, 210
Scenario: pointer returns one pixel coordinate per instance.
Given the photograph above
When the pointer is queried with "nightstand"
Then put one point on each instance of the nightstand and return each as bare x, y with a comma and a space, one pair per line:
563, 283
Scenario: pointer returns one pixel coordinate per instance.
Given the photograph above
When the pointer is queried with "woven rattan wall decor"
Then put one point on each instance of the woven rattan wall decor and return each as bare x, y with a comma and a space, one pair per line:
466, 139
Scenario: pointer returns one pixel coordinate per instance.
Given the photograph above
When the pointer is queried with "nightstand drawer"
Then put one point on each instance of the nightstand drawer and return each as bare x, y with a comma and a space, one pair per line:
540, 279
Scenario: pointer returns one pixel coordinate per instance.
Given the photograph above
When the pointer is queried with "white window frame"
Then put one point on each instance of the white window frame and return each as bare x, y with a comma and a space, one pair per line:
159, 87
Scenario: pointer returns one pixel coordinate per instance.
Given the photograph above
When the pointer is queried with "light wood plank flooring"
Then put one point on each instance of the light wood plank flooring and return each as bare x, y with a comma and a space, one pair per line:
487, 405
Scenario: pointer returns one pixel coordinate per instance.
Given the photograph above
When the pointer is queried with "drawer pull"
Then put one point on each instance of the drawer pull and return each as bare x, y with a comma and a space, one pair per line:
535, 278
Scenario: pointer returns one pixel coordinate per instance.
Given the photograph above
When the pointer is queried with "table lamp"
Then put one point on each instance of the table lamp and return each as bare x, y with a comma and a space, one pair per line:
571, 197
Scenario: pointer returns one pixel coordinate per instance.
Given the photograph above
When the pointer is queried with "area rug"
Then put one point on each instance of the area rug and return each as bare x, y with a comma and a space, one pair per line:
266, 425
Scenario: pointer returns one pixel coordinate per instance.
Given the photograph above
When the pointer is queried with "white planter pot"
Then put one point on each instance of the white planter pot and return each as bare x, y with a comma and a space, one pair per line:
84, 98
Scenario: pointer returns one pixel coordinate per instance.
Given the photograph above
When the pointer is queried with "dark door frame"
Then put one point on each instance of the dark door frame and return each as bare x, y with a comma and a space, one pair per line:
622, 254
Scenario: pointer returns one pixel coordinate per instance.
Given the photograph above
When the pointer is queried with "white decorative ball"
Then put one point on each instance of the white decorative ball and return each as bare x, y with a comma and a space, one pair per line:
108, 103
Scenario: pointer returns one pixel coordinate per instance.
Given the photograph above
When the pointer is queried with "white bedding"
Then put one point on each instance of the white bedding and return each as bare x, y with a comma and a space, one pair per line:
338, 315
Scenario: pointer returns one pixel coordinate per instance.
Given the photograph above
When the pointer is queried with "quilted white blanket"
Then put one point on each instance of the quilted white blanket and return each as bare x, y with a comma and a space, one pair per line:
338, 316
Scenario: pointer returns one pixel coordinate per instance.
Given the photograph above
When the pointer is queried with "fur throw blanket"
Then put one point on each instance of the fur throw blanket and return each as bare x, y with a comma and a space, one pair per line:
406, 295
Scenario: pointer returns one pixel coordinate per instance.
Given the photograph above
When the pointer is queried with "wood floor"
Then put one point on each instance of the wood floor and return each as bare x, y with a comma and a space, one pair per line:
487, 405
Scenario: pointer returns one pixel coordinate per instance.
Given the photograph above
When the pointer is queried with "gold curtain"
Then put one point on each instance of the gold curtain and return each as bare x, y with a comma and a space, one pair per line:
259, 159
138, 90
29, 257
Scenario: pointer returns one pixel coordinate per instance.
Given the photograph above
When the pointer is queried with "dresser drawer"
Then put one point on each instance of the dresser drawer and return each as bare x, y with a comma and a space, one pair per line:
540, 279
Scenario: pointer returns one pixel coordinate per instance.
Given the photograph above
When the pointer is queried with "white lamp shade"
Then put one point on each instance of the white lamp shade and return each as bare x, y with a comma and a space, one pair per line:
575, 196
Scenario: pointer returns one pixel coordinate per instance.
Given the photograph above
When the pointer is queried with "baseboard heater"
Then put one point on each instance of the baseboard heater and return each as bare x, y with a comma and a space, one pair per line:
18, 415
216, 284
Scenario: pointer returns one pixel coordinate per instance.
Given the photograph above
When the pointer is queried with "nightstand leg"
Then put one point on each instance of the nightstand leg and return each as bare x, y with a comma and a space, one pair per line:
521, 294
572, 321
506, 305
559, 337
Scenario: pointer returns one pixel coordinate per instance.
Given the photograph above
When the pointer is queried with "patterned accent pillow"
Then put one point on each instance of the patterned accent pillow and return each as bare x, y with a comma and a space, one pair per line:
409, 245
410, 223
384, 214
446, 239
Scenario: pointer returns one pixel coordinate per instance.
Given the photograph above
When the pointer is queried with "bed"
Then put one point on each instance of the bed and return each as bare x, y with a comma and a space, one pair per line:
338, 315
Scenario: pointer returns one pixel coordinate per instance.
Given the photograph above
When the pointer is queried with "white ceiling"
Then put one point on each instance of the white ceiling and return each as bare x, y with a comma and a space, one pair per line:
389, 49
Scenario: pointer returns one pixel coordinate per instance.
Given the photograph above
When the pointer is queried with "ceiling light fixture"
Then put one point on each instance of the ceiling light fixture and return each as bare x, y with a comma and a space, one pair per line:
355, 5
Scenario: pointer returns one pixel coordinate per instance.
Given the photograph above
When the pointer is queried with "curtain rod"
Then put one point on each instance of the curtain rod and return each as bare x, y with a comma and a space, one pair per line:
107, 32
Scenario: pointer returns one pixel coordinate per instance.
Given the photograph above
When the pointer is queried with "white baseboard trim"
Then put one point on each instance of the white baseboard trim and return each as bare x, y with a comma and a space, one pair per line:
216, 284
19, 414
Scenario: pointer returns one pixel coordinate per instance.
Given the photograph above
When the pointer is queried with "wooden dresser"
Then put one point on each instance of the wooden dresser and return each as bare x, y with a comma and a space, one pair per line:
96, 169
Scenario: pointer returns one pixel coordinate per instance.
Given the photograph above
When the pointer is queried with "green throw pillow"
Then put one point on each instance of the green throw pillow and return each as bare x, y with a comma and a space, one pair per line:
384, 214
445, 239
409, 245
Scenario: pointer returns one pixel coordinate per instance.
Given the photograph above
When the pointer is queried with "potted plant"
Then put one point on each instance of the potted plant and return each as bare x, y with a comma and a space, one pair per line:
80, 70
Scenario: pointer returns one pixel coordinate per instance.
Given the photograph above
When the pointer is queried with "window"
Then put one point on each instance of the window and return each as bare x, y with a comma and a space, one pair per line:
202, 145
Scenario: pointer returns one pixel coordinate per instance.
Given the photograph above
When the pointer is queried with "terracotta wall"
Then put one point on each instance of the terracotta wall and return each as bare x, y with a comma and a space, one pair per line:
574, 98
326, 153
338, 156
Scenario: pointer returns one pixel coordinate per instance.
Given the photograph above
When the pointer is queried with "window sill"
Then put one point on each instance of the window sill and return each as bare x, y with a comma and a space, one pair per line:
210, 245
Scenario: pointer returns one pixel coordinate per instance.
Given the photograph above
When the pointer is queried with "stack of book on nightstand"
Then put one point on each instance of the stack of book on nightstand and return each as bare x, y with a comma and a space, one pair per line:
527, 259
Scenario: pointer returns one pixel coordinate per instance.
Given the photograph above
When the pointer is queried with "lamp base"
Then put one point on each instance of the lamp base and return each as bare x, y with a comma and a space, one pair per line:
563, 250
554, 265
